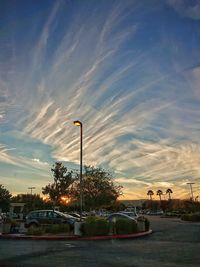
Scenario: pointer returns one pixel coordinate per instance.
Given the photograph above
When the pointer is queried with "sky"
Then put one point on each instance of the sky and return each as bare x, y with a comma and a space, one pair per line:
128, 70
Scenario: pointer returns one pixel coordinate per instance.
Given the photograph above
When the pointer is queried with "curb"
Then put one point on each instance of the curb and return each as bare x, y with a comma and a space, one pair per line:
25, 237
141, 234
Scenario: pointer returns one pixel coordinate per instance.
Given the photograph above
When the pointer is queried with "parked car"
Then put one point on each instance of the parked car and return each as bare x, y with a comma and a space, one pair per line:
157, 212
76, 215
116, 216
130, 213
46, 217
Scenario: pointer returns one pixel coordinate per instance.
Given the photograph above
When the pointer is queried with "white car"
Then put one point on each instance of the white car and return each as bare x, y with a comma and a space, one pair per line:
130, 214
113, 217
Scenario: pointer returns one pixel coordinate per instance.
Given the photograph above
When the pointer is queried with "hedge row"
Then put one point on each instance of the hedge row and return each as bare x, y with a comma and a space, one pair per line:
94, 226
54, 229
193, 217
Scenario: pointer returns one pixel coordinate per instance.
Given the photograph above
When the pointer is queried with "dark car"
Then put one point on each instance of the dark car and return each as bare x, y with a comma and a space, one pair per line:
116, 216
47, 217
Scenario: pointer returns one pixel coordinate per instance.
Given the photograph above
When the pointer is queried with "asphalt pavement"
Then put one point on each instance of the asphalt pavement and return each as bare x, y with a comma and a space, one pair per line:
173, 243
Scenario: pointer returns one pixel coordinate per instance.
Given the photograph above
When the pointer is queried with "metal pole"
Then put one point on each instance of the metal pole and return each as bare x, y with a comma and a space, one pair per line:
31, 188
81, 170
79, 123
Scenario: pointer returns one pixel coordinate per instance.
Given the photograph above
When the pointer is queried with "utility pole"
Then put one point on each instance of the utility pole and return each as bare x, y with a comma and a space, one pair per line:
31, 188
31, 198
192, 197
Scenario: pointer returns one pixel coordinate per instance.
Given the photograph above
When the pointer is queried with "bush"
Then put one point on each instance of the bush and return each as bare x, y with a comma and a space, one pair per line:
64, 228
35, 231
94, 226
53, 229
57, 228
123, 226
147, 224
193, 217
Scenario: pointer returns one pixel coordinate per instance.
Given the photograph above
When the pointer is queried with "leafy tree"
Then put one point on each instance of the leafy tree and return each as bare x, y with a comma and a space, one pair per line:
61, 186
5, 198
98, 188
150, 193
31, 201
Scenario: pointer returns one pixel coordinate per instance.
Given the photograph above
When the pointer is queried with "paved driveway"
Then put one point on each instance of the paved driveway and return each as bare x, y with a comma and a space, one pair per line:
173, 243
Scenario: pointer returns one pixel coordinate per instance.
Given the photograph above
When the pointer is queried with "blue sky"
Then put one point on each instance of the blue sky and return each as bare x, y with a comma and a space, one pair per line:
129, 70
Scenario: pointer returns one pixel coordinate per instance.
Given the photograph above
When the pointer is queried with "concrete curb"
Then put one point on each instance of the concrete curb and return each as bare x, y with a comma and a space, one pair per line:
54, 237
73, 237
141, 234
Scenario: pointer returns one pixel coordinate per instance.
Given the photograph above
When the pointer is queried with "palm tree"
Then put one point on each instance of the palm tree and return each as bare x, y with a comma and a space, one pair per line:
159, 193
150, 193
169, 192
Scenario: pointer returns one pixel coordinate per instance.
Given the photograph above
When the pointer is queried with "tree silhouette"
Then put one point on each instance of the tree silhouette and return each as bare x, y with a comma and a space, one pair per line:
61, 185
99, 188
159, 193
169, 192
150, 193
5, 198
33, 201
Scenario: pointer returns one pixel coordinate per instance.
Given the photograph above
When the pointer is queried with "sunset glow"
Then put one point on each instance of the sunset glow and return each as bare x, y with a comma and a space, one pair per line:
128, 70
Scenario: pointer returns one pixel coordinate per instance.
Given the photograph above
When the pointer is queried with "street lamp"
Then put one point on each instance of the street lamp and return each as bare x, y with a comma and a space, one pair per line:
191, 190
78, 123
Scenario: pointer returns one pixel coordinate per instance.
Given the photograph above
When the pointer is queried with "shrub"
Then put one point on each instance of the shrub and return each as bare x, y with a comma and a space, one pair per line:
64, 228
35, 231
94, 226
193, 217
123, 226
57, 228
185, 217
54, 229
147, 224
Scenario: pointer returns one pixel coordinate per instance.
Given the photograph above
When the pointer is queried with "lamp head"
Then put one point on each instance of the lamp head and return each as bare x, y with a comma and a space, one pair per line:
77, 123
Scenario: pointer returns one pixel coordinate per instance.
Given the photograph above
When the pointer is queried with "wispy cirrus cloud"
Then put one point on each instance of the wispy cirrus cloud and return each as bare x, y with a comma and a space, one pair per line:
138, 116
189, 9
8, 156
5, 156
138, 106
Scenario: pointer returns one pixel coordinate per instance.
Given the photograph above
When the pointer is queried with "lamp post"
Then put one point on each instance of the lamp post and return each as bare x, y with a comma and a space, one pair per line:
192, 197
78, 123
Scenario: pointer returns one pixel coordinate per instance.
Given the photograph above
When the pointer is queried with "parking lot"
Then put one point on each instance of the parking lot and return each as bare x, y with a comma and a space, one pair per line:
173, 243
